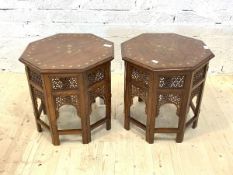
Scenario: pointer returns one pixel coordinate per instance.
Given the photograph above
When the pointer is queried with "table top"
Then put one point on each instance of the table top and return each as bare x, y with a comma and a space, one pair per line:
157, 51
72, 52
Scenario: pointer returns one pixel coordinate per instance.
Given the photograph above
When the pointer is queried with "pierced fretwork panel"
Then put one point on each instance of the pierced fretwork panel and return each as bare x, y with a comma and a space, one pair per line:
136, 91
199, 75
66, 100
95, 76
64, 83
172, 82
169, 98
140, 76
97, 92
35, 77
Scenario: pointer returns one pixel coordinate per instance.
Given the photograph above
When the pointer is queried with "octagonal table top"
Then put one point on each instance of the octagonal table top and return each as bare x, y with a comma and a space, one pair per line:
157, 51
71, 52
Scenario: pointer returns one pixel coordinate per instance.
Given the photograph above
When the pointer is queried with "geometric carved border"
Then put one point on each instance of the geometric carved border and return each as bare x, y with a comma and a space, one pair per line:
172, 82
66, 100
64, 83
95, 76
139, 76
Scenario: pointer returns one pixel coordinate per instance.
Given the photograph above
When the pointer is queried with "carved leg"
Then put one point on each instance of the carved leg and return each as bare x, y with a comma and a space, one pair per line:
51, 111
127, 97
198, 104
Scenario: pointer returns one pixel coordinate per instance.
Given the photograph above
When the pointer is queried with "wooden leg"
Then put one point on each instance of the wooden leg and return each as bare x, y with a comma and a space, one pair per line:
194, 125
151, 109
34, 102
150, 122
108, 96
127, 97
108, 112
36, 113
198, 105
182, 120
51, 111
127, 111
85, 110
54, 130
86, 130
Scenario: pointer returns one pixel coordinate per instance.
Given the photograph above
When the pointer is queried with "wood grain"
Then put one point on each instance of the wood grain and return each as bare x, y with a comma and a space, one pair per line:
70, 52
158, 51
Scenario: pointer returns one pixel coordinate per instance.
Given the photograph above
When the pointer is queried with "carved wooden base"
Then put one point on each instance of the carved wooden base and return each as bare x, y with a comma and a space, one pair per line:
157, 88
51, 91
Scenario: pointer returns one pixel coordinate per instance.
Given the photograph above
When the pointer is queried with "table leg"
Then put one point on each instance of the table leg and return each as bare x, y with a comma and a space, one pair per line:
85, 109
151, 110
198, 104
34, 102
51, 111
127, 97
108, 96
35, 109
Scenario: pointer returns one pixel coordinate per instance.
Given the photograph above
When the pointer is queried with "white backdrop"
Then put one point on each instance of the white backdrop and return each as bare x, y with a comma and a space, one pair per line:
23, 21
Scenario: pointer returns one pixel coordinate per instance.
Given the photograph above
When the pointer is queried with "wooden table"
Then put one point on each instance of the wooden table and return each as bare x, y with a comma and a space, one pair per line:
165, 68
70, 69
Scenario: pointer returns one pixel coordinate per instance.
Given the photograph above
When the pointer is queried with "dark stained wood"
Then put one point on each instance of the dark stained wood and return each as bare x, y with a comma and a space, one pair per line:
69, 69
70, 52
191, 121
166, 130
164, 68
127, 96
165, 51
41, 122
137, 123
108, 96
98, 123
69, 131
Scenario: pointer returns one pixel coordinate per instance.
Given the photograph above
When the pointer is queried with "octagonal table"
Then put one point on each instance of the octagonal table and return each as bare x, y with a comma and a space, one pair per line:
164, 68
69, 69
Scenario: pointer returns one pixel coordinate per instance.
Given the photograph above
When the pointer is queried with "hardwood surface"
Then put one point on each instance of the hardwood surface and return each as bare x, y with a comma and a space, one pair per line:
206, 150
71, 52
165, 51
